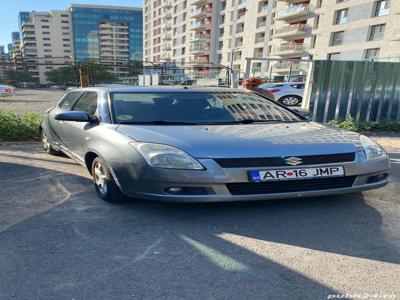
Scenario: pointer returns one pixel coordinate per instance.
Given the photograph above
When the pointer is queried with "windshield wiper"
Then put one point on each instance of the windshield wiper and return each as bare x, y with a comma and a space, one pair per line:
157, 122
251, 121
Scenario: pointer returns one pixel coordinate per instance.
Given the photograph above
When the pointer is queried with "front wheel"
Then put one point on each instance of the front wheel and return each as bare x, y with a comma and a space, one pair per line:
290, 100
47, 147
104, 182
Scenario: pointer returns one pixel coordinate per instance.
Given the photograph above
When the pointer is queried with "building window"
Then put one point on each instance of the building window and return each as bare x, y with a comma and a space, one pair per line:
337, 38
44, 20
316, 22
319, 3
313, 40
372, 54
341, 16
381, 8
377, 32
334, 56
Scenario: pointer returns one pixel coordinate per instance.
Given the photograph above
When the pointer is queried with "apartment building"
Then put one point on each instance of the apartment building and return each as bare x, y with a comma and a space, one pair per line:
112, 35
3, 65
356, 30
46, 41
15, 52
229, 31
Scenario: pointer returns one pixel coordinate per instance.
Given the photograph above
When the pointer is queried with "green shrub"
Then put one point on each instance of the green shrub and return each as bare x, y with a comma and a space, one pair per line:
14, 127
350, 124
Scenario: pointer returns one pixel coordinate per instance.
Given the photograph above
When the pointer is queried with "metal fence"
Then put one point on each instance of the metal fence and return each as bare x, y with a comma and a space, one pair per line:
121, 72
364, 90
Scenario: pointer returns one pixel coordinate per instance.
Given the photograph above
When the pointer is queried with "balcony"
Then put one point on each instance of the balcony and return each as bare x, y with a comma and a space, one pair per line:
201, 26
291, 32
200, 49
199, 60
166, 3
287, 67
166, 37
200, 2
166, 16
261, 24
204, 38
260, 39
263, 9
295, 13
166, 26
292, 1
290, 49
201, 13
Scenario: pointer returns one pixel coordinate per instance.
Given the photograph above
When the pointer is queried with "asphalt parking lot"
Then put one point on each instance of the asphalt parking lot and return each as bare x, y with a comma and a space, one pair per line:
59, 241
30, 100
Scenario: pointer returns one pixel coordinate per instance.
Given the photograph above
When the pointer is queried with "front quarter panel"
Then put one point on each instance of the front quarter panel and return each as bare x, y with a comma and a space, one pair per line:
123, 160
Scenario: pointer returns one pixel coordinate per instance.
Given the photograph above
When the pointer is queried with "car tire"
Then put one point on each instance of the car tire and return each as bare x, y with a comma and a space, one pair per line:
290, 100
46, 145
104, 182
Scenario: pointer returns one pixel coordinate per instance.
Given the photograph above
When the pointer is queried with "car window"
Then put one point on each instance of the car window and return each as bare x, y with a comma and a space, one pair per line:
88, 103
298, 86
69, 100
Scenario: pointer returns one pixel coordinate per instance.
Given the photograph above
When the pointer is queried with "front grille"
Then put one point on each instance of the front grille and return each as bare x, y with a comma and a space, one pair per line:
280, 161
288, 186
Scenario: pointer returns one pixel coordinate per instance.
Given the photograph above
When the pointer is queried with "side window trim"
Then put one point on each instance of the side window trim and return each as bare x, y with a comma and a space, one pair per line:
81, 95
74, 102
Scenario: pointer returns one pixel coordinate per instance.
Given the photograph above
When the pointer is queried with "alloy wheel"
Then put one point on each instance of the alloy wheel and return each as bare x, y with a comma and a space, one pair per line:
45, 141
290, 101
100, 178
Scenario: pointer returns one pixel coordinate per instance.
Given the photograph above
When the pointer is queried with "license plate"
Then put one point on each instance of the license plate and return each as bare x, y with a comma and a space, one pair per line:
295, 174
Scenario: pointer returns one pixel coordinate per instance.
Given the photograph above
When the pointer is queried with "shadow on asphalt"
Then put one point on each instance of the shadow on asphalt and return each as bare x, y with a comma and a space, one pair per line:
84, 247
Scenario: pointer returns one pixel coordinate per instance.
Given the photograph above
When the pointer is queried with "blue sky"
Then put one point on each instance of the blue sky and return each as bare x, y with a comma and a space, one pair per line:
10, 9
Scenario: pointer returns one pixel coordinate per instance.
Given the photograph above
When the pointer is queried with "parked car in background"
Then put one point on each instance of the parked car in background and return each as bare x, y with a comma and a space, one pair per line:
207, 145
7, 90
58, 87
286, 93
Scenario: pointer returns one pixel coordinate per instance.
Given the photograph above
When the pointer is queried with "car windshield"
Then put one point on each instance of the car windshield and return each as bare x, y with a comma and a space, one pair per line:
197, 108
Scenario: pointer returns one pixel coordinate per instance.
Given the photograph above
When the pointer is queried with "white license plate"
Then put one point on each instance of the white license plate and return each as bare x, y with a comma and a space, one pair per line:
295, 174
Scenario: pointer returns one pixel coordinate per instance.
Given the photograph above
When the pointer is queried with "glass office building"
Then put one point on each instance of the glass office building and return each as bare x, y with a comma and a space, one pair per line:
98, 29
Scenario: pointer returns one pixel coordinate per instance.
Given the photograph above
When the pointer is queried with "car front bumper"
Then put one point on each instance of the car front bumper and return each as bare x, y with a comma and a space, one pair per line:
151, 183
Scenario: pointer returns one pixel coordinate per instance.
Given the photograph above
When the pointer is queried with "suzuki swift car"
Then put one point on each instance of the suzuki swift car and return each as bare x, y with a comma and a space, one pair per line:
206, 144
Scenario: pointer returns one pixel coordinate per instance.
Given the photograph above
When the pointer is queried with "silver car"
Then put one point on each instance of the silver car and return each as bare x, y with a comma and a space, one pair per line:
206, 144
287, 93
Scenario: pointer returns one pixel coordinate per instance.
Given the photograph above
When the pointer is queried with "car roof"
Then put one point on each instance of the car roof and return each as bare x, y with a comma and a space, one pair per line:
160, 89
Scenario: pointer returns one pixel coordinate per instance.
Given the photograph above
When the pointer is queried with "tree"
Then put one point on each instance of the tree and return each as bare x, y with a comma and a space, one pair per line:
18, 77
66, 75
63, 75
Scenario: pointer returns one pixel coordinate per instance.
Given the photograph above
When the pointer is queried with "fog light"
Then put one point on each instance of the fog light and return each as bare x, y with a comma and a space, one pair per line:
174, 190
377, 178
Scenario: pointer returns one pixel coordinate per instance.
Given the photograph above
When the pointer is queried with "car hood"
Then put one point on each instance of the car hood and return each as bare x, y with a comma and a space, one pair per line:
253, 140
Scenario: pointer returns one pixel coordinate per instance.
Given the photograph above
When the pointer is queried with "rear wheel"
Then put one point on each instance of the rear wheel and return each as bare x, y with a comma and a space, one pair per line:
104, 182
47, 147
290, 100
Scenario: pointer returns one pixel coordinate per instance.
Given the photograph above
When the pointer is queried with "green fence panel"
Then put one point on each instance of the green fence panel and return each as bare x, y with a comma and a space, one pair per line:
365, 90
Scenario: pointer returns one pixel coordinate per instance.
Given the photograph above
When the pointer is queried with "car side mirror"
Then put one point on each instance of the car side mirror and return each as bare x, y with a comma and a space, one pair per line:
302, 112
76, 116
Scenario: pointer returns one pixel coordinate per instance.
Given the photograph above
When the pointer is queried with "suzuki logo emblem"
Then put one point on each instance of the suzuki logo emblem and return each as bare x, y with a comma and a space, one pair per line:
293, 161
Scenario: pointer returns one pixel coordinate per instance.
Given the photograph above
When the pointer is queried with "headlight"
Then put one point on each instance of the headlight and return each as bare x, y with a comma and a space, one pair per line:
372, 150
164, 156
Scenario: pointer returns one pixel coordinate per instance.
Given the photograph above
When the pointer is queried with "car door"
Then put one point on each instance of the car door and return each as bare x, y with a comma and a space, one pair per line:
56, 126
78, 133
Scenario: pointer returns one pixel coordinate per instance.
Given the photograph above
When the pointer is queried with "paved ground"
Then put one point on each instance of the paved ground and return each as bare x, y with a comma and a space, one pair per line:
59, 241
27, 100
